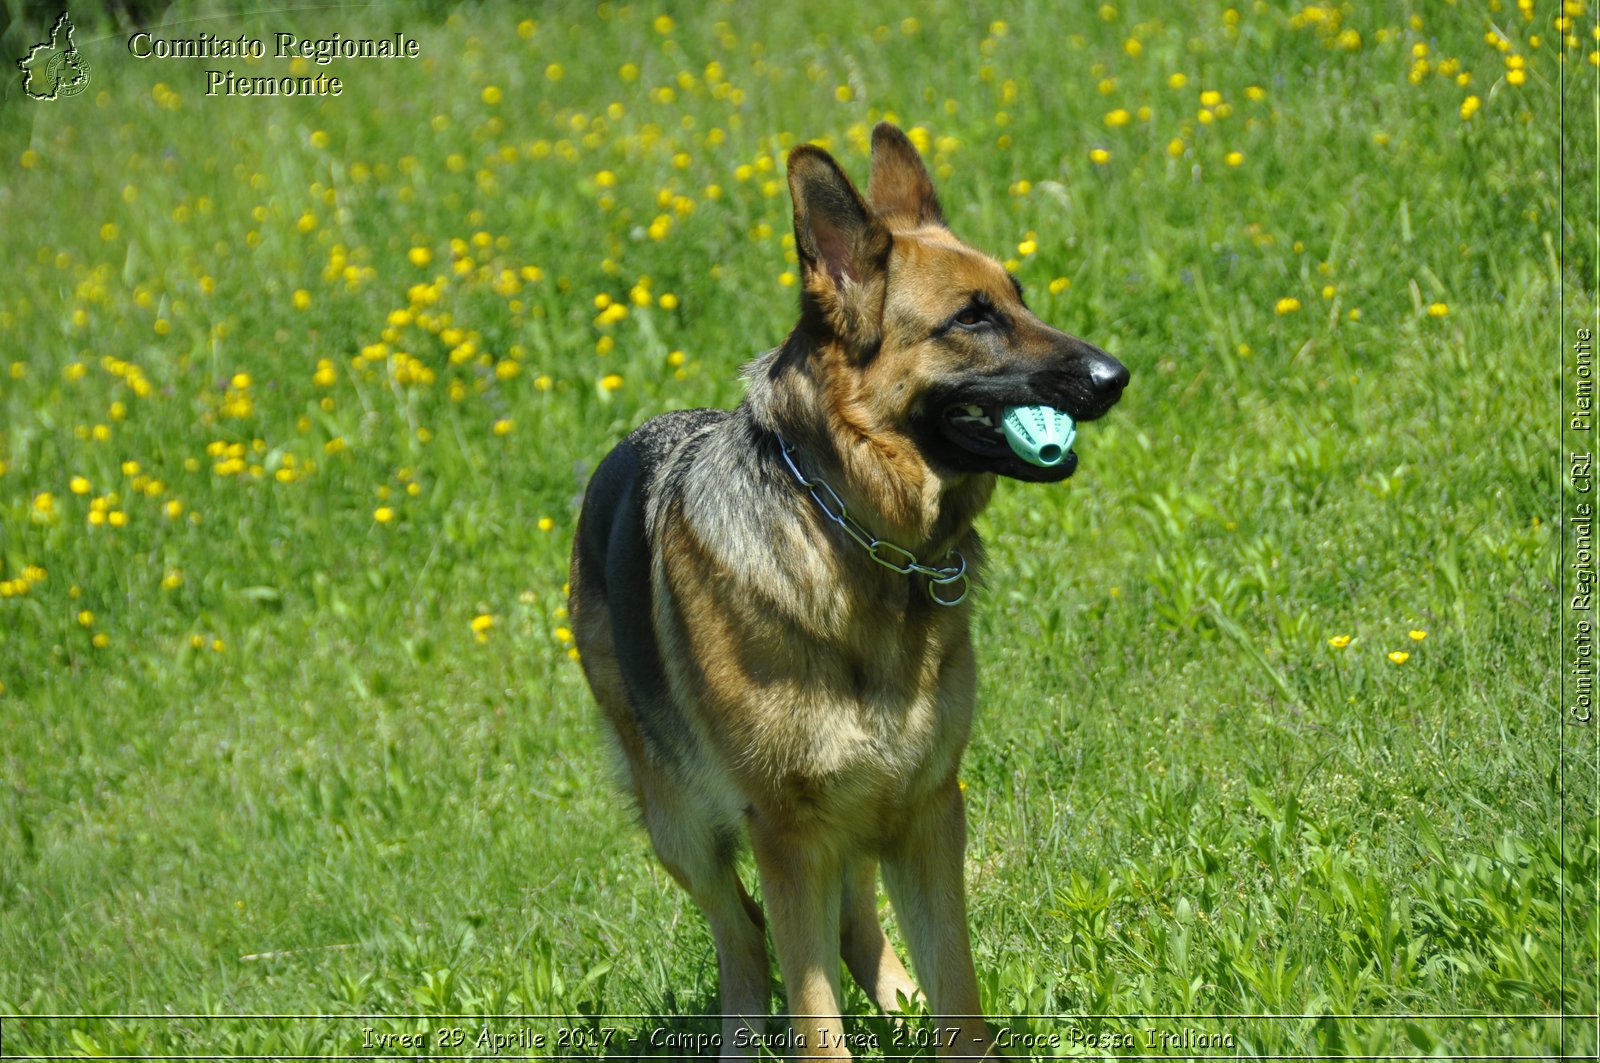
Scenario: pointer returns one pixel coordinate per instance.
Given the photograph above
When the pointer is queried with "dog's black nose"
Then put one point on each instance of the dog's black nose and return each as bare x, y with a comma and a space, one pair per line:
1107, 376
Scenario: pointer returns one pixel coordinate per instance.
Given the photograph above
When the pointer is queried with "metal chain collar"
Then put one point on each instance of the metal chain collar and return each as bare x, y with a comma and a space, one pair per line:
898, 558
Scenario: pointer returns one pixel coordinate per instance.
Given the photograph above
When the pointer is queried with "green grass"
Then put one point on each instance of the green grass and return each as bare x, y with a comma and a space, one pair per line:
301, 775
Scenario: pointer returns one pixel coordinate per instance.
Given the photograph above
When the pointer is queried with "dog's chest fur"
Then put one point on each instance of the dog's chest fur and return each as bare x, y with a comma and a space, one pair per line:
824, 683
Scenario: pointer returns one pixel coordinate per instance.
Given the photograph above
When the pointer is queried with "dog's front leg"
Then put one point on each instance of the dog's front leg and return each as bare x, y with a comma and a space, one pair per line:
800, 887
924, 876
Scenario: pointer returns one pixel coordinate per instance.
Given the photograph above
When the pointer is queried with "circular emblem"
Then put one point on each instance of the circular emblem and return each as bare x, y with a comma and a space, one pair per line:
67, 73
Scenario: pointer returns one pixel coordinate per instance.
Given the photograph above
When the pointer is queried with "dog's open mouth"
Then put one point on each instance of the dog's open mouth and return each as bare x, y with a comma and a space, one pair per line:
975, 430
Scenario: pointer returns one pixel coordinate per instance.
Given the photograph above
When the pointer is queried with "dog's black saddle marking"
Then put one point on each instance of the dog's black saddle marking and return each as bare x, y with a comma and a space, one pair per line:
614, 551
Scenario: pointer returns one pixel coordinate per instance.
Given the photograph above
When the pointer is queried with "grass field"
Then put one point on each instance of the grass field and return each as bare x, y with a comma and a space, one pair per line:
297, 397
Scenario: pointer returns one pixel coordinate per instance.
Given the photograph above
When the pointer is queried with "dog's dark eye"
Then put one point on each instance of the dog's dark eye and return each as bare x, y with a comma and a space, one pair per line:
971, 315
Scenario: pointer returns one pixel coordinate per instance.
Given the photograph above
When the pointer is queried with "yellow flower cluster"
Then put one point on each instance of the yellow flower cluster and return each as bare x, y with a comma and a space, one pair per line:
237, 401
22, 583
1340, 642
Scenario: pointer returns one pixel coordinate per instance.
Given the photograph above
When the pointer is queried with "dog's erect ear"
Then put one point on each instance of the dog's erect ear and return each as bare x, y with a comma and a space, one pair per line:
843, 249
900, 188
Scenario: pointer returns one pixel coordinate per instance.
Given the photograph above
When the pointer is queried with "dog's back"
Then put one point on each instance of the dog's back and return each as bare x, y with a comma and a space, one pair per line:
611, 581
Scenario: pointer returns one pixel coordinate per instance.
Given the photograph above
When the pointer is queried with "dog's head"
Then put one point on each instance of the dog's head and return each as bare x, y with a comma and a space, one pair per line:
926, 338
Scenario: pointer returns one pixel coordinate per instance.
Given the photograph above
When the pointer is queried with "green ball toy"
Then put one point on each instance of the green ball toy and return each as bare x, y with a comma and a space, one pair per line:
1039, 435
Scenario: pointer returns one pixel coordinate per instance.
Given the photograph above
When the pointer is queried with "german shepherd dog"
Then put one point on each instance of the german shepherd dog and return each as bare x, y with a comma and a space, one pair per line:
770, 605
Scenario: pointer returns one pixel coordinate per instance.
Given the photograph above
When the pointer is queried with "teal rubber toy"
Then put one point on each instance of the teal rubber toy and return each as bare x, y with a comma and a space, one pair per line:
1039, 435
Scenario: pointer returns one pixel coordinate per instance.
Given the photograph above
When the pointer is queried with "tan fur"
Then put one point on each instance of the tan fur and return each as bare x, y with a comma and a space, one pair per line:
810, 699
